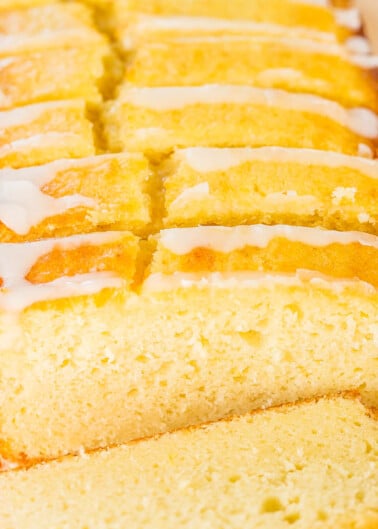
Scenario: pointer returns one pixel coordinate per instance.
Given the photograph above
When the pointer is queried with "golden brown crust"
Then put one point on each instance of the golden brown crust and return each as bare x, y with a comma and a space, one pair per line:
21, 461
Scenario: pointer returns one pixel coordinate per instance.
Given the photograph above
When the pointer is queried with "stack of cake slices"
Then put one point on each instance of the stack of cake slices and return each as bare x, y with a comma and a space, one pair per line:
188, 265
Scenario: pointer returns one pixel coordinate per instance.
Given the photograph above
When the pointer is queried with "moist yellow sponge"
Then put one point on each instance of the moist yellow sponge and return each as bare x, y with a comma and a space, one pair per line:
312, 465
220, 321
286, 12
135, 29
298, 65
52, 75
42, 132
65, 197
157, 120
24, 30
270, 185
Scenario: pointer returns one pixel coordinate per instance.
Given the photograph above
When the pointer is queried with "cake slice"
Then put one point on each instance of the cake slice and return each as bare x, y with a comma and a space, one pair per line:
106, 192
48, 26
298, 65
217, 321
53, 74
43, 132
311, 465
159, 119
132, 30
290, 13
18, 4
270, 185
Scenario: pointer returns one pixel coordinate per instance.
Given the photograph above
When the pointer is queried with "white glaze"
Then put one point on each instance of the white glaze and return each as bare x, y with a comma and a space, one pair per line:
304, 44
23, 204
348, 18
182, 241
159, 282
204, 160
358, 44
17, 259
368, 62
196, 192
209, 24
29, 113
4, 63
182, 24
42, 174
39, 141
321, 3
365, 151
20, 42
360, 120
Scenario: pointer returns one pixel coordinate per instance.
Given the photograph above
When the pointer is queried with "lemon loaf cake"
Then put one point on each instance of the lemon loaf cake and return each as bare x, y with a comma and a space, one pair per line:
42, 27
270, 185
42, 132
158, 119
312, 15
293, 64
311, 465
64, 197
17, 4
135, 29
52, 74
207, 328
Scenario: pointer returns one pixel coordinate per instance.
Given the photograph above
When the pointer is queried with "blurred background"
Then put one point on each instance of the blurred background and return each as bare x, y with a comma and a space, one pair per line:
370, 13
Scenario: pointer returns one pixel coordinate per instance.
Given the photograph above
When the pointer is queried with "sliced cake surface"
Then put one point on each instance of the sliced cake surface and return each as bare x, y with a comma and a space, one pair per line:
51, 75
206, 329
156, 120
132, 30
270, 185
299, 65
65, 197
313, 465
312, 15
40, 133
188, 233
41, 27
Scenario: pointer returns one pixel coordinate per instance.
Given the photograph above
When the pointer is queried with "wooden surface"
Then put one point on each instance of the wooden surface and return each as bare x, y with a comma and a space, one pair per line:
369, 10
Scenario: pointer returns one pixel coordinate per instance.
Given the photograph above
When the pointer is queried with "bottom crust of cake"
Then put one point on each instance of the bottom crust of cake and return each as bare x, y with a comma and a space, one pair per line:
312, 465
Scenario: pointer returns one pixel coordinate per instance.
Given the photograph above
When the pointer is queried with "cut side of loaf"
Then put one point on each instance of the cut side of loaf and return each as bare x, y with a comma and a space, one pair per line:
24, 30
298, 65
157, 120
216, 321
312, 466
52, 74
69, 196
43, 132
271, 185
290, 13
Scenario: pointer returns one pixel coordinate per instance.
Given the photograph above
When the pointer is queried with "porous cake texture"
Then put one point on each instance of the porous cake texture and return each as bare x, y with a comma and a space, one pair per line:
156, 120
299, 65
311, 15
312, 465
40, 133
271, 185
207, 328
188, 233
52, 74
134, 29
108, 192
42, 27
